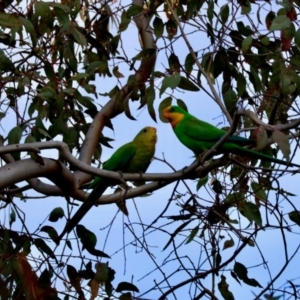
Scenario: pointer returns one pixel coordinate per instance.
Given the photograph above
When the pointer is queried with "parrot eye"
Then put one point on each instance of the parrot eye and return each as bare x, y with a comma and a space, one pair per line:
145, 130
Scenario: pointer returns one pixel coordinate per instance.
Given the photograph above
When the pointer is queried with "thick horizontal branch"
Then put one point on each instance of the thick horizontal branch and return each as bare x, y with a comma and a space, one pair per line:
22, 170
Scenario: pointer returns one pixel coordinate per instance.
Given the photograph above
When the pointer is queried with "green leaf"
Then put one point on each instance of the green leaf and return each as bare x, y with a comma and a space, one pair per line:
163, 104
126, 286
74, 278
30, 29
282, 141
261, 138
280, 23
224, 13
201, 182
62, 7
133, 11
124, 21
14, 136
230, 100
78, 37
189, 63
223, 288
295, 216
242, 272
182, 104
246, 44
56, 214
12, 216
228, 244
174, 63
246, 7
126, 107
250, 211
9, 20
51, 232
210, 10
70, 137
116, 72
158, 26
258, 191
59, 126
171, 28
150, 96
170, 82
86, 102
240, 85
244, 30
187, 85
43, 247
89, 240
192, 235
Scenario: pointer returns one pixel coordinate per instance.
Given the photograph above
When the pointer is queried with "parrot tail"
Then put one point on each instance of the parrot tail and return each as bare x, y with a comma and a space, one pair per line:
83, 209
262, 156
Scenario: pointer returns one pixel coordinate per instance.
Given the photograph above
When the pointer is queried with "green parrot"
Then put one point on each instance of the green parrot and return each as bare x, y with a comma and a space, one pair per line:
132, 157
200, 136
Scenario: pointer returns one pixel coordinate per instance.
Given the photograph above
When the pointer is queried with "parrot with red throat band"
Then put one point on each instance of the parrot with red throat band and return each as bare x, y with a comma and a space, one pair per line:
200, 136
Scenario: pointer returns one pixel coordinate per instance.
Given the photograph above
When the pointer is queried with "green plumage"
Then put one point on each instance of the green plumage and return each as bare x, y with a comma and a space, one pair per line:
200, 136
132, 157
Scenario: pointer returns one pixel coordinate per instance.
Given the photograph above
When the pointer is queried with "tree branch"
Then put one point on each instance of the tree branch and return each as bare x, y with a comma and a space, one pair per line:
114, 107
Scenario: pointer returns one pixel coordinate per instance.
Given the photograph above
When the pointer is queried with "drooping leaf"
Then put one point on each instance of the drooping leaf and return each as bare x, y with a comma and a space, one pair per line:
187, 85
189, 63
158, 26
9, 20
228, 244
224, 13
133, 10
56, 214
89, 240
124, 21
201, 182
280, 23
150, 96
295, 216
126, 286
242, 272
12, 216
282, 141
43, 247
182, 104
246, 44
259, 191
51, 232
192, 235
74, 279
171, 28
170, 82
250, 211
224, 289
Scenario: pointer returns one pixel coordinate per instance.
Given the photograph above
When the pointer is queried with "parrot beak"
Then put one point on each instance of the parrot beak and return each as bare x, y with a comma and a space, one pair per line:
154, 129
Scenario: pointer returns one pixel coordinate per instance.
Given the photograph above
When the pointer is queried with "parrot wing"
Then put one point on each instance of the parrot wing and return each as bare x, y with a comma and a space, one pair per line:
117, 162
204, 132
